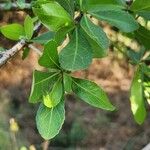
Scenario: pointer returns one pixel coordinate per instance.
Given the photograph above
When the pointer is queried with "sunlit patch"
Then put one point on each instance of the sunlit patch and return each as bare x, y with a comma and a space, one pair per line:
134, 105
47, 101
66, 24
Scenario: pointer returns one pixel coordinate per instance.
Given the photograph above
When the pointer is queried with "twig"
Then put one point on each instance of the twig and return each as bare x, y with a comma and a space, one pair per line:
35, 49
5, 56
147, 147
46, 145
14, 6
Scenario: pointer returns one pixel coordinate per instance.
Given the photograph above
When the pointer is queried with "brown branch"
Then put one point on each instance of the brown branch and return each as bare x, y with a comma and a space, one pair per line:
8, 54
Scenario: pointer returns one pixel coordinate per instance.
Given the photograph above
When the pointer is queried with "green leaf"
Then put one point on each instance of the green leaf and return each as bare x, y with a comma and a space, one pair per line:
28, 27
25, 54
116, 17
62, 33
143, 36
68, 6
21, 3
136, 98
135, 56
52, 98
50, 121
95, 3
96, 36
49, 58
12, 31
91, 93
41, 84
77, 54
44, 38
140, 6
53, 16
67, 83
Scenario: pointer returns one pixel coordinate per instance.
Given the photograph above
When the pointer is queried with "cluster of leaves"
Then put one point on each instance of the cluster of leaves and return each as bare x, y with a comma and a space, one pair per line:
73, 19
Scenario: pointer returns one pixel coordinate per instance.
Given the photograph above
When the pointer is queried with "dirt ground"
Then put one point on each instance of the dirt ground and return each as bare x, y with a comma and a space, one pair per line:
85, 127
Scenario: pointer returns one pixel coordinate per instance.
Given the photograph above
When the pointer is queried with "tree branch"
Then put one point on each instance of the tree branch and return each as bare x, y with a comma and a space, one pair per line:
8, 54
14, 6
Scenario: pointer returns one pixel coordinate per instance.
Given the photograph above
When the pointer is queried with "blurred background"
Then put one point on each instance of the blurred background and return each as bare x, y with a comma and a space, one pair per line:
85, 127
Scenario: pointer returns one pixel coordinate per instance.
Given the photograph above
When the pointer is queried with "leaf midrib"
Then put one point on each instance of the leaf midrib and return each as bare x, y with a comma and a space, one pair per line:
76, 49
90, 93
46, 78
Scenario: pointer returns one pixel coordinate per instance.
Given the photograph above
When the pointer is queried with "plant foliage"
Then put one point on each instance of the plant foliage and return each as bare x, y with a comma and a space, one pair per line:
73, 19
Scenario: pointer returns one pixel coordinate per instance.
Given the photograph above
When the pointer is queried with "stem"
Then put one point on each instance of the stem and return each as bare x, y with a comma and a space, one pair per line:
8, 54
35, 49
46, 145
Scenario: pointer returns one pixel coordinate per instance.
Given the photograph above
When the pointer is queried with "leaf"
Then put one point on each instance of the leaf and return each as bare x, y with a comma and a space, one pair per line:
50, 121
143, 36
68, 6
77, 54
53, 16
67, 83
44, 38
28, 27
49, 58
116, 17
96, 36
135, 56
145, 15
62, 34
25, 54
12, 31
91, 93
21, 3
140, 6
95, 3
52, 98
41, 84
136, 97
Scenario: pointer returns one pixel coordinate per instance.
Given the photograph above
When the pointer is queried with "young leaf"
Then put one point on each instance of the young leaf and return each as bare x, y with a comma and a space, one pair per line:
77, 54
41, 84
50, 121
53, 16
116, 17
44, 38
49, 58
28, 27
136, 98
96, 36
91, 93
52, 98
12, 31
